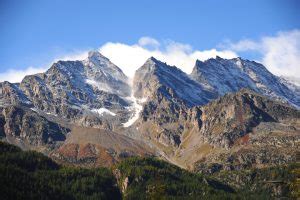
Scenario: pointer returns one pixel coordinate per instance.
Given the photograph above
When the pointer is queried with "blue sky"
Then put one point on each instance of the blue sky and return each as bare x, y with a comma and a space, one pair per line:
34, 33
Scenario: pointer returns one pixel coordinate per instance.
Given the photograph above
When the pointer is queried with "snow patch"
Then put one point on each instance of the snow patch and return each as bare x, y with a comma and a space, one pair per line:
101, 86
33, 109
136, 107
91, 82
102, 111
239, 64
49, 113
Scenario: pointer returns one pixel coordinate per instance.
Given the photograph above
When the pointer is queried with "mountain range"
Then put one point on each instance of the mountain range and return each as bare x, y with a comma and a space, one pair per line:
228, 114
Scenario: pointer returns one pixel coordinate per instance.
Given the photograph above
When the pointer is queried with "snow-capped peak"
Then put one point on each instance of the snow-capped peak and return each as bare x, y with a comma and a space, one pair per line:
152, 63
152, 59
155, 75
231, 75
96, 56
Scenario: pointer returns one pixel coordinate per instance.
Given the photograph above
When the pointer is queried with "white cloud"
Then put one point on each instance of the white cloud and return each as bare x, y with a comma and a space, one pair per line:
75, 55
280, 53
15, 76
242, 45
148, 41
130, 57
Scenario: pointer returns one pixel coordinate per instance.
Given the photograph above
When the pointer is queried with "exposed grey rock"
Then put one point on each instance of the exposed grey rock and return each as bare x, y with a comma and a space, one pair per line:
10, 94
29, 127
169, 93
74, 90
234, 115
158, 77
231, 75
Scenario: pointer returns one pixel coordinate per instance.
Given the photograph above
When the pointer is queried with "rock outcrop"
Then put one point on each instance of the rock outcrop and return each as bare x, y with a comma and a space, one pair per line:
240, 131
231, 117
28, 129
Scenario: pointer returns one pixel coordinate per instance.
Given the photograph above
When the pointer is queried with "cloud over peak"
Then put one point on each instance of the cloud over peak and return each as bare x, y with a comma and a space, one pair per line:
279, 53
148, 41
130, 57
15, 76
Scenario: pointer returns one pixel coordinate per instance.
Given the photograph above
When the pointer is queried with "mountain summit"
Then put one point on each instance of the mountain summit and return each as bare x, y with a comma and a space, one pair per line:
231, 75
158, 77
105, 75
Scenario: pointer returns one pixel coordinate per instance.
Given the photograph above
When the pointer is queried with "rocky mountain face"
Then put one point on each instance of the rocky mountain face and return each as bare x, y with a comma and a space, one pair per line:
40, 111
158, 78
234, 115
87, 92
10, 94
85, 113
76, 89
168, 93
293, 84
231, 75
26, 128
241, 130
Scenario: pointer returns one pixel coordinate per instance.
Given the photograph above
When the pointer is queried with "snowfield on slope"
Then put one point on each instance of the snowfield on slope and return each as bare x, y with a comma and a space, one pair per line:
136, 107
102, 111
